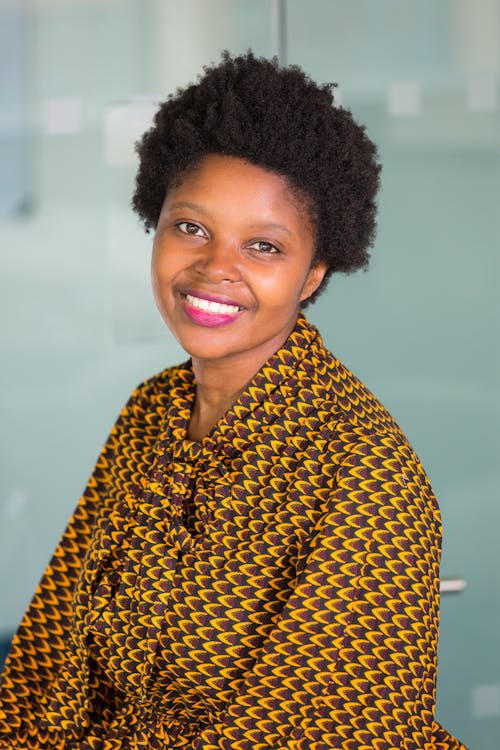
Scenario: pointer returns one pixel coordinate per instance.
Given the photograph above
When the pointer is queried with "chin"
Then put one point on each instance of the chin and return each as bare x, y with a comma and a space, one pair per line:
204, 345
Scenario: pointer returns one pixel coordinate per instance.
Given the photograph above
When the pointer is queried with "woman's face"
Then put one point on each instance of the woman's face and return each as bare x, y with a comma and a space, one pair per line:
231, 262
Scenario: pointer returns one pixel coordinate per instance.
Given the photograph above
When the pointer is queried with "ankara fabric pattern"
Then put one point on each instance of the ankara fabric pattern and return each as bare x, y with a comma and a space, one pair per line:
274, 586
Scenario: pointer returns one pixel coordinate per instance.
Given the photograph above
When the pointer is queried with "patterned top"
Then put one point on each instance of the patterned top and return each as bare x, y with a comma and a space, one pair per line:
274, 586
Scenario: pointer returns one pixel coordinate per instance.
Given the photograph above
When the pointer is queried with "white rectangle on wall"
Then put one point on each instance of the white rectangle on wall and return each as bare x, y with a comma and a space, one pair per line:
404, 99
125, 122
486, 700
63, 116
482, 93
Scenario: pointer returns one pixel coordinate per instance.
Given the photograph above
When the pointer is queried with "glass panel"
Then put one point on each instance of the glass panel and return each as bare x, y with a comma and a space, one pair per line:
82, 329
421, 327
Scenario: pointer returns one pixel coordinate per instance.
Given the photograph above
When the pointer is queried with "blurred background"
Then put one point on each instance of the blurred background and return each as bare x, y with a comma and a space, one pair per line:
79, 82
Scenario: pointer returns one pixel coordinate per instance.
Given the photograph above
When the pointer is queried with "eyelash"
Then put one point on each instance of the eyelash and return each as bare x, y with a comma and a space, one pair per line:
188, 224
273, 251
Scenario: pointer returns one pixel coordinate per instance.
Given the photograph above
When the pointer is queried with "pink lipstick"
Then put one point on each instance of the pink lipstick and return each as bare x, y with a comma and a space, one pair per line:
209, 312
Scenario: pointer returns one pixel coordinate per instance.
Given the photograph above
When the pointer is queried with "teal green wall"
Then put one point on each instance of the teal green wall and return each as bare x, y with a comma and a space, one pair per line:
420, 328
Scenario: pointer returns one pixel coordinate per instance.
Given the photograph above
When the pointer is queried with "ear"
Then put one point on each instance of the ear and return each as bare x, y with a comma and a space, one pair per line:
313, 280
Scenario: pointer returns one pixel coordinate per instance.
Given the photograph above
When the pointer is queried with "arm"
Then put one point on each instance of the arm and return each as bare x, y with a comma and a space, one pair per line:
351, 661
37, 650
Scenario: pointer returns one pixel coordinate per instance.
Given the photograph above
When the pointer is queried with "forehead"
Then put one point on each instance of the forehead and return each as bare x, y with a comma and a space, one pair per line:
223, 181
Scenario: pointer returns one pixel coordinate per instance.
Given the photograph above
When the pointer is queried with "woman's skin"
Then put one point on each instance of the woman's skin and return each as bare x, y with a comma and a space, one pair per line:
234, 234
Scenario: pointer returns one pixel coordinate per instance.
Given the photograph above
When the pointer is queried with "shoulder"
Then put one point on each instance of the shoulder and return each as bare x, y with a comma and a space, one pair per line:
348, 410
154, 389
147, 404
351, 401
361, 434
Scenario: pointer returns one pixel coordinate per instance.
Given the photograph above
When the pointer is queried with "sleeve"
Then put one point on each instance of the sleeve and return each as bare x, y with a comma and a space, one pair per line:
351, 662
37, 647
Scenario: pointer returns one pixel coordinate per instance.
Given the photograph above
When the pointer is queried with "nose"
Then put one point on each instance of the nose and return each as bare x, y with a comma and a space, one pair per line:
218, 261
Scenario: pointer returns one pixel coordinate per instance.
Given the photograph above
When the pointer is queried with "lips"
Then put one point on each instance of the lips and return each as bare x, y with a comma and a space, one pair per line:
222, 299
207, 310
210, 306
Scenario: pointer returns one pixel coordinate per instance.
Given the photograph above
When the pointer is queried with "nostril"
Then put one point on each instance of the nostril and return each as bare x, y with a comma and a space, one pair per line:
218, 264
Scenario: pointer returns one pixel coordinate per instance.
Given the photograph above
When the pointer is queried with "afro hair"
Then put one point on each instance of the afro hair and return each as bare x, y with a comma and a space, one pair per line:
277, 118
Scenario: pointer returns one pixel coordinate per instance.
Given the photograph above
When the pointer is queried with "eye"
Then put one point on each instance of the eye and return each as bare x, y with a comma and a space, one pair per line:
188, 227
264, 247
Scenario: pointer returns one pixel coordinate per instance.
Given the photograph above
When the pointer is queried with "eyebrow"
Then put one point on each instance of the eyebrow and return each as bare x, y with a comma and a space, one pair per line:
197, 207
274, 225
188, 204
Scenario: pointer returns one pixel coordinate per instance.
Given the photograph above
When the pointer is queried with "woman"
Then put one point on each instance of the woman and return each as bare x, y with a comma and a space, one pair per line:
255, 561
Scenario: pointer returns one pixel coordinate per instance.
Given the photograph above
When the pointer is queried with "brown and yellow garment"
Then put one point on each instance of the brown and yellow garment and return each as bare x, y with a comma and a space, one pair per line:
275, 586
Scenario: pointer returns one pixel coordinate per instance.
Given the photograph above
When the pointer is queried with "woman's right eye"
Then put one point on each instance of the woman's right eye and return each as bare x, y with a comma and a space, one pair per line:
188, 227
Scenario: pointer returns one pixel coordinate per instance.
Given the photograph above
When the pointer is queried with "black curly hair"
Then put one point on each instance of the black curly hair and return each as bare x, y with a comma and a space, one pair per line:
277, 118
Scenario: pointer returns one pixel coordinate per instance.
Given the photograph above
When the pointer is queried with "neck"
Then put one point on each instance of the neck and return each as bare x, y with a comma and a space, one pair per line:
217, 388
220, 382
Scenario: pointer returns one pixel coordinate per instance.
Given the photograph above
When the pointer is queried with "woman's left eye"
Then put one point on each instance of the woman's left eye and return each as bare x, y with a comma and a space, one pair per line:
264, 247
189, 227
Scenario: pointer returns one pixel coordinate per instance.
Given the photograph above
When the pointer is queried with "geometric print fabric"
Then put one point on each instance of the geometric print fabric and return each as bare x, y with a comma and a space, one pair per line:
274, 586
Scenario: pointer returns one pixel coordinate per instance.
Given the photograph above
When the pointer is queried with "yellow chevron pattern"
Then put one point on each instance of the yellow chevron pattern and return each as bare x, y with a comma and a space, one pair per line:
275, 586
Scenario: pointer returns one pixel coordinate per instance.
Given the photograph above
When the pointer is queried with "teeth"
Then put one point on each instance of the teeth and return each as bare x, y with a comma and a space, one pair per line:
212, 307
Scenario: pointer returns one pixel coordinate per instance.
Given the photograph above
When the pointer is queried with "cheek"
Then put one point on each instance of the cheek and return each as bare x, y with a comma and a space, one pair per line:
282, 286
155, 283
161, 274
163, 264
155, 275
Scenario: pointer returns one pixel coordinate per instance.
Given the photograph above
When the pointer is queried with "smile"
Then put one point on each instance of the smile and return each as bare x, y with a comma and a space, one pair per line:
215, 308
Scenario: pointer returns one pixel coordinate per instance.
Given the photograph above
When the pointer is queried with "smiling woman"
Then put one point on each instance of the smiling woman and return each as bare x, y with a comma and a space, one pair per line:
230, 269
255, 561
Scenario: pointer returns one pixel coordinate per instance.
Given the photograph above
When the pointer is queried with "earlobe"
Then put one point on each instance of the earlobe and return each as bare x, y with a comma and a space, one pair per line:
313, 280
